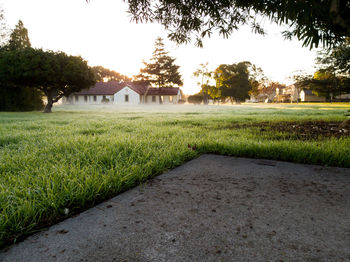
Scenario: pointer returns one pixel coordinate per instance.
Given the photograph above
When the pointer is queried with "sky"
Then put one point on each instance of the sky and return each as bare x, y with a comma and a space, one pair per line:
102, 32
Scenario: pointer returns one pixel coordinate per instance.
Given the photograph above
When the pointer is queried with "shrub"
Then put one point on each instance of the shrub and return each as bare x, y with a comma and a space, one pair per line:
105, 100
20, 99
195, 99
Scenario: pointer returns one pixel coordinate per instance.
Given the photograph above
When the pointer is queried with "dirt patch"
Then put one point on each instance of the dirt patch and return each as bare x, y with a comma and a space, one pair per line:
303, 130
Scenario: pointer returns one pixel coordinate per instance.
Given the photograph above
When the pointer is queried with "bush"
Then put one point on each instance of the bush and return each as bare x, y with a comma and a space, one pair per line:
195, 99
105, 100
20, 99
181, 101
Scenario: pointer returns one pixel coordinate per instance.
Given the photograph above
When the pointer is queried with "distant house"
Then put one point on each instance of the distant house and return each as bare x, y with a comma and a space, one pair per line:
293, 91
343, 97
266, 94
124, 93
262, 98
308, 96
281, 95
286, 93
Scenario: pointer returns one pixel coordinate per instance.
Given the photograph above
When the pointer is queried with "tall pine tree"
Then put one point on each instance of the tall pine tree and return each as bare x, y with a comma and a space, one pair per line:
19, 38
161, 70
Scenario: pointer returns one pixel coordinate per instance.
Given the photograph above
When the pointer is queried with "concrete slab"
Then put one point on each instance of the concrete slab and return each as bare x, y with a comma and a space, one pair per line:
214, 208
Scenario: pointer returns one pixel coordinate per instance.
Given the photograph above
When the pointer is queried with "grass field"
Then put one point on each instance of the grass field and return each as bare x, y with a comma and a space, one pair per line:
78, 156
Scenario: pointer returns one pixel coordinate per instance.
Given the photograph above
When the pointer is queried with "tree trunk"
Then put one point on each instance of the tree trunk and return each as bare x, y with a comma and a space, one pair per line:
205, 98
48, 106
52, 97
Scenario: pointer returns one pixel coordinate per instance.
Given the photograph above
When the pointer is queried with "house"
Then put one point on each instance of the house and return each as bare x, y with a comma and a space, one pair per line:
293, 92
343, 97
287, 93
281, 95
265, 94
124, 93
308, 96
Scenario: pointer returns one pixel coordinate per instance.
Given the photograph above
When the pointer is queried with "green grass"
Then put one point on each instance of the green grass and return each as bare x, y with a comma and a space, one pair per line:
78, 156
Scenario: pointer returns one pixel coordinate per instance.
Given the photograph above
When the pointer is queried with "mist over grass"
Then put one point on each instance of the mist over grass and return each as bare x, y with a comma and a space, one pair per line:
78, 156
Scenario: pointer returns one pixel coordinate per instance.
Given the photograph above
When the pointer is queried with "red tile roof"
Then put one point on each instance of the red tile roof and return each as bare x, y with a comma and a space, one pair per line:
103, 88
170, 91
110, 88
140, 89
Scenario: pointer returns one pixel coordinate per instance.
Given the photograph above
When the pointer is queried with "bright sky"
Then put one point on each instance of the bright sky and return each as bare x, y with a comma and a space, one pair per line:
102, 33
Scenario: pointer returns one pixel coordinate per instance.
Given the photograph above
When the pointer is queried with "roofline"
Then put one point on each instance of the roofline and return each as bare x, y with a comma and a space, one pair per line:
131, 87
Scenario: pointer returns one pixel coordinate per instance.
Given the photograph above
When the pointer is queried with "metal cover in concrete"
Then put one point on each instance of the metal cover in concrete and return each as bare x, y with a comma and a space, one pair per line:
214, 208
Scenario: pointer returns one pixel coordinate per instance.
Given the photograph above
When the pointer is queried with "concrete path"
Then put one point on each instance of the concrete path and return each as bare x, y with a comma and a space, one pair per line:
213, 208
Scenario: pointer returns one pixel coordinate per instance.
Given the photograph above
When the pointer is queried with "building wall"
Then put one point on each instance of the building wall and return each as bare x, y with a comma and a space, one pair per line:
343, 96
165, 99
314, 98
134, 98
293, 91
170, 99
119, 98
177, 97
72, 99
311, 98
302, 96
150, 101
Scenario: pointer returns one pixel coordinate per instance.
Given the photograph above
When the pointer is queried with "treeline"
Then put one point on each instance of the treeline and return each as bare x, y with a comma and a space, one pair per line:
106, 75
237, 82
30, 76
232, 82
332, 79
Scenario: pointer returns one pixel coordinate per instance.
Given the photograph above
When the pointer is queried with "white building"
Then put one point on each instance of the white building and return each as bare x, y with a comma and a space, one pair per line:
308, 96
124, 93
345, 97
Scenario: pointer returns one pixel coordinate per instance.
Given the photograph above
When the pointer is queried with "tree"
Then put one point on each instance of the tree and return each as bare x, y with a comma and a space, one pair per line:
56, 74
255, 91
205, 75
325, 83
195, 99
213, 92
269, 91
300, 81
313, 21
103, 74
20, 98
257, 80
161, 71
336, 59
4, 32
333, 76
19, 38
328, 84
233, 80
256, 74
